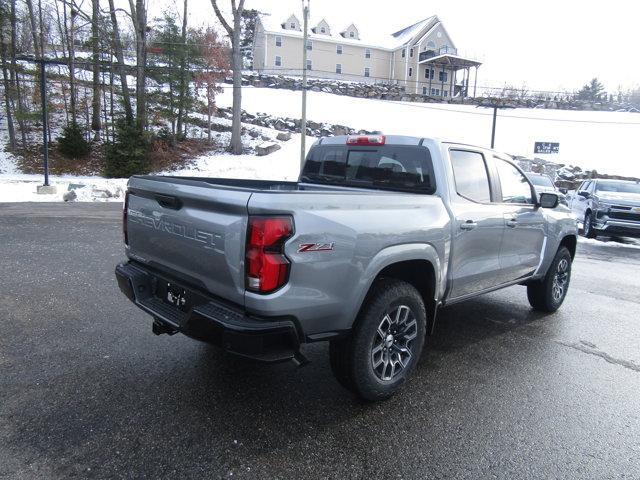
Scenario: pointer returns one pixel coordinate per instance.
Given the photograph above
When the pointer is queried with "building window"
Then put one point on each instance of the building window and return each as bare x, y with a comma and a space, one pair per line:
278, 61
424, 90
293, 26
426, 73
410, 71
367, 71
278, 41
404, 52
367, 53
352, 34
411, 52
442, 76
435, 91
338, 68
309, 45
339, 49
309, 65
445, 93
323, 30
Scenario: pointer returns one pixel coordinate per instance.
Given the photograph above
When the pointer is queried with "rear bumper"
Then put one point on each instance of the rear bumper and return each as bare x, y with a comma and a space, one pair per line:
209, 320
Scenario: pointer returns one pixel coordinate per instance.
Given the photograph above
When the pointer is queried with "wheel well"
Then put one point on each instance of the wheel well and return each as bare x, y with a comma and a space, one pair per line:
570, 241
419, 273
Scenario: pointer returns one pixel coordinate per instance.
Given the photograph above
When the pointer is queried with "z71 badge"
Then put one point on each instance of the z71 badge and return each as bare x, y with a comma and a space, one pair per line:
315, 247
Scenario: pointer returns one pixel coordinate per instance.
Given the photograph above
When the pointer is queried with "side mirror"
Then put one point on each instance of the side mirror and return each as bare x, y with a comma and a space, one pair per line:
549, 200
584, 193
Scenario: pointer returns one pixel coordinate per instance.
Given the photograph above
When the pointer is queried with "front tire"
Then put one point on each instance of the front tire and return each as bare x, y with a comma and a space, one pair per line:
587, 227
381, 353
548, 294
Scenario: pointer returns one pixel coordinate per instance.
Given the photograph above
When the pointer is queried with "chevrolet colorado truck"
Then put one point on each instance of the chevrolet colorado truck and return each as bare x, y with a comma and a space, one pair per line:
377, 235
608, 207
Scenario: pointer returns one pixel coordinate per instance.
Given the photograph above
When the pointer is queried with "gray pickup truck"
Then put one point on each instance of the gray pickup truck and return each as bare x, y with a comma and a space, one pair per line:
608, 207
377, 235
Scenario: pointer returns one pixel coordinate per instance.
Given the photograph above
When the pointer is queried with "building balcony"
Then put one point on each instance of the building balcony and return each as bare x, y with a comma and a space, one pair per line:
435, 53
446, 57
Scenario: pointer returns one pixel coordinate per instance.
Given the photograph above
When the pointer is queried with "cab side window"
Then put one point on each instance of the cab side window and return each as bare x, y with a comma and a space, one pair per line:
514, 185
470, 175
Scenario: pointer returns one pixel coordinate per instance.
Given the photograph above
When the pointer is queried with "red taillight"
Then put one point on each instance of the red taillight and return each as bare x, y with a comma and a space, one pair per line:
125, 211
266, 266
365, 140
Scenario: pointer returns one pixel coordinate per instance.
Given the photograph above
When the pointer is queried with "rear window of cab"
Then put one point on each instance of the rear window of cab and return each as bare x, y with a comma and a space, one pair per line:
392, 167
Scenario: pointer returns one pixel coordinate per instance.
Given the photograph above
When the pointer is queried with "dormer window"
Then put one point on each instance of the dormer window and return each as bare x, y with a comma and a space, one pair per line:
352, 34
323, 30
292, 26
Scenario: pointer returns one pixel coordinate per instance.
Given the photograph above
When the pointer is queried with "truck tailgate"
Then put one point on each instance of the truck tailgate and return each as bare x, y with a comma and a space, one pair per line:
190, 229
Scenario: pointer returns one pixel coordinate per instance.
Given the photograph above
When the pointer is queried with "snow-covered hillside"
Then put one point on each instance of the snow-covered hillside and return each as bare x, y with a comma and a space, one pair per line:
605, 141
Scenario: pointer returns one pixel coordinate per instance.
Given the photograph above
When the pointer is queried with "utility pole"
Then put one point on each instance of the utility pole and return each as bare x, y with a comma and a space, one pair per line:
495, 104
493, 127
303, 120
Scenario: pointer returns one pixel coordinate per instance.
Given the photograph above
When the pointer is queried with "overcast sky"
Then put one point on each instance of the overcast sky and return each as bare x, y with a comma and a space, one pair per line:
545, 44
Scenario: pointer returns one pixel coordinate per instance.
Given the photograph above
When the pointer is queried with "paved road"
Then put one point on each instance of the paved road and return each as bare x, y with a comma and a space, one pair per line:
87, 391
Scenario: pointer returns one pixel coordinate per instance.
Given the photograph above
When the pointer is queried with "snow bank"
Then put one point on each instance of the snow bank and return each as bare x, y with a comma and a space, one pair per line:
23, 188
628, 243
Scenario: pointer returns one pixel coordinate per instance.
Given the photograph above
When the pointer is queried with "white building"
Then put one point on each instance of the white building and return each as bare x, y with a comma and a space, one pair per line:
421, 56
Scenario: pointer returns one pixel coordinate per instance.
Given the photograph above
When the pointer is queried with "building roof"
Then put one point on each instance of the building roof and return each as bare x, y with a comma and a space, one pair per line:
368, 38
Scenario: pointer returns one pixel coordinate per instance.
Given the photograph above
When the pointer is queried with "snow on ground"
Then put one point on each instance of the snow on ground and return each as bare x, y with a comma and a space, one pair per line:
600, 241
23, 188
606, 141
283, 164
280, 165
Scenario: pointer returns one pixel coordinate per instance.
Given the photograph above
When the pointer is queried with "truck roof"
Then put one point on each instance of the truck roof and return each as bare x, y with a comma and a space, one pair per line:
388, 139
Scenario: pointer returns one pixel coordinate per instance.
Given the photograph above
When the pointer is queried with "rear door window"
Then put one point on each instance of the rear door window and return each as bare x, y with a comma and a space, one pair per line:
470, 175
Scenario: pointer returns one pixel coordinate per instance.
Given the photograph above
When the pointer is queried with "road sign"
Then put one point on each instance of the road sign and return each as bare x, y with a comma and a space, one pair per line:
546, 147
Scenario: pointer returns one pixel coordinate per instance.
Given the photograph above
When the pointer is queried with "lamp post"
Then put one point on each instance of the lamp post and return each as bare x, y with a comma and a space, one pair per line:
303, 120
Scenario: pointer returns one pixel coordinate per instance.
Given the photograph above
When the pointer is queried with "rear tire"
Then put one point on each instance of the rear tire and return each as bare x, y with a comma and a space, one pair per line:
548, 294
587, 227
382, 351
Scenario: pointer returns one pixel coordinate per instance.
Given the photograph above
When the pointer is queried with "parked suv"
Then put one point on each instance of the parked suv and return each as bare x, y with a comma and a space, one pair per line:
377, 235
608, 207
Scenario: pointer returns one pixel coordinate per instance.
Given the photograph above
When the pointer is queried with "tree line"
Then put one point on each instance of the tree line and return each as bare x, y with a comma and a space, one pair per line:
116, 76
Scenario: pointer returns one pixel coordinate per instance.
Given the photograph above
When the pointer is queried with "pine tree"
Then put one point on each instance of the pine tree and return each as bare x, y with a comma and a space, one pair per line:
592, 91
72, 143
127, 155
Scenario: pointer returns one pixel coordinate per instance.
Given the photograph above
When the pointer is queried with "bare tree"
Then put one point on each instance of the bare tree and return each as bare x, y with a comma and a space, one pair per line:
4, 53
95, 99
215, 68
139, 18
183, 67
14, 76
34, 28
117, 45
236, 65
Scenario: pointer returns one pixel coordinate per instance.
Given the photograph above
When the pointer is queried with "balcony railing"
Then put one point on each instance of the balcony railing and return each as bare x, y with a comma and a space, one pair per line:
434, 53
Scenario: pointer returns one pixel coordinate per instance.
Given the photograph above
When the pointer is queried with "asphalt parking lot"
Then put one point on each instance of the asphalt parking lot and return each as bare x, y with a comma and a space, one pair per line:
87, 391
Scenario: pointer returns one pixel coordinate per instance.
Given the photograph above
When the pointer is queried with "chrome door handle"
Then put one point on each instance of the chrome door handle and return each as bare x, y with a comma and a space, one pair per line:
468, 225
512, 222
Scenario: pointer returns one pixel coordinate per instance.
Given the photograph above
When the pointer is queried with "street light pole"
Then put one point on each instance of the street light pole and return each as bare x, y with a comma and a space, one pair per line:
45, 136
303, 120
